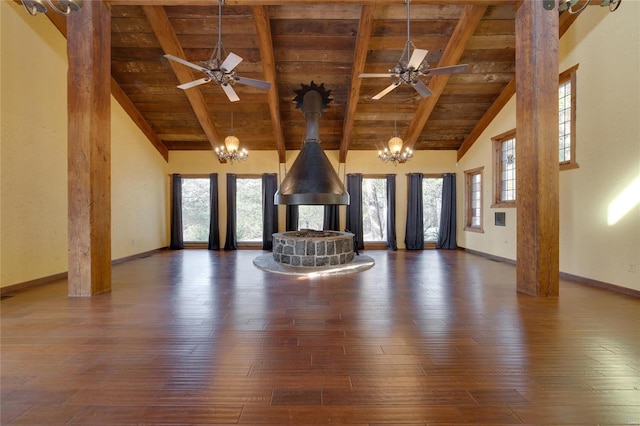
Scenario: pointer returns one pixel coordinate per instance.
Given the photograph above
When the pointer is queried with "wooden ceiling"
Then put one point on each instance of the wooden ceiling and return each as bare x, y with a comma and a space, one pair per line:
329, 42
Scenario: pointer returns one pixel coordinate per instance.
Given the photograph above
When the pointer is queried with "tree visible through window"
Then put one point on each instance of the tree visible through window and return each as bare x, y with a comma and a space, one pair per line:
248, 209
310, 217
431, 208
374, 209
195, 209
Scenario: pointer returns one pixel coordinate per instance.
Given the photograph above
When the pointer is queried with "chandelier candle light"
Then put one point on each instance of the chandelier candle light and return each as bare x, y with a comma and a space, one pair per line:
394, 153
230, 150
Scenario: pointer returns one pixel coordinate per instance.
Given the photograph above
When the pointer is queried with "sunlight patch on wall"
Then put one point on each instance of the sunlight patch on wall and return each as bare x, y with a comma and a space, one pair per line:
624, 202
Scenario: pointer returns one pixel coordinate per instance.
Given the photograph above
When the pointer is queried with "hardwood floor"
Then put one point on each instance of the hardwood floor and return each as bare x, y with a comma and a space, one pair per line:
433, 337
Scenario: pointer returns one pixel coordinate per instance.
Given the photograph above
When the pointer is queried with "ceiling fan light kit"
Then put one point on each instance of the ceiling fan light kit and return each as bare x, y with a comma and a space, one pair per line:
63, 7
221, 72
411, 66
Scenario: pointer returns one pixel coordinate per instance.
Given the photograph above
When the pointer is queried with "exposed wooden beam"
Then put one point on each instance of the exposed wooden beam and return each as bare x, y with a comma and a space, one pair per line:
469, 20
488, 117
60, 22
138, 119
168, 40
566, 20
263, 29
89, 150
359, 60
537, 168
310, 2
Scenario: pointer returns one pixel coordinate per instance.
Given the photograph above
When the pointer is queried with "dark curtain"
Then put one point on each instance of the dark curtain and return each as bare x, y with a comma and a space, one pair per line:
292, 217
214, 229
331, 220
230, 242
391, 212
269, 210
414, 235
447, 232
354, 209
176, 242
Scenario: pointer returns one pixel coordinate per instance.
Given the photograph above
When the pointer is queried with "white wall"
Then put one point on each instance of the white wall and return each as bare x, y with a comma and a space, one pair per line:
33, 138
607, 48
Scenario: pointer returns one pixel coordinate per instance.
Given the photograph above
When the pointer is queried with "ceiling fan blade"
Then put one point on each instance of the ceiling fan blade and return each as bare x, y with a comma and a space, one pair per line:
231, 94
253, 82
194, 83
387, 90
421, 88
369, 75
230, 62
447, 70
187, 63
417, 57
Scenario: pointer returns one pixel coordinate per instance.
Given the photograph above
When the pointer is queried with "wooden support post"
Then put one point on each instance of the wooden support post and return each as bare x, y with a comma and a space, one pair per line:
537, 149
89, 145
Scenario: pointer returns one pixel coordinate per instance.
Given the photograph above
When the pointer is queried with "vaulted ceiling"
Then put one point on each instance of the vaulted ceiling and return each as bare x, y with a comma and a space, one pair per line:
330, 42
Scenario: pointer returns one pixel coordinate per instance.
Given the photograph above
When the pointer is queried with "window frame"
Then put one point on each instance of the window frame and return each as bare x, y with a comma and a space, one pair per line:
468, 197
497, 201
372, 245
570, 75
194, 244
430, 244
248, 244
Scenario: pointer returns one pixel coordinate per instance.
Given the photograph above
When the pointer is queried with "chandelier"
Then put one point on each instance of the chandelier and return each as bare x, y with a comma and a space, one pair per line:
395, 153
63, 7
230, 150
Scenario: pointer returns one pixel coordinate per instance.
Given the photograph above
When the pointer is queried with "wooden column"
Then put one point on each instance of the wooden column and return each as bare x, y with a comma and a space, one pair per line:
537, 149
89, 133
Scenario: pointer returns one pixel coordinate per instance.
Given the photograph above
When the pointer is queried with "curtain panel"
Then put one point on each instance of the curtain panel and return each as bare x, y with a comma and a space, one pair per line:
292, 217
331, 220
176, 242
214, 228
354, 209
391, 212
269, 210
230, 242
447, 231
414, 235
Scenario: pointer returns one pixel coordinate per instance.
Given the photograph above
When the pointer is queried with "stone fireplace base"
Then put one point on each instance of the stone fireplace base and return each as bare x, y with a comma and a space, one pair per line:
313, 248
267, 263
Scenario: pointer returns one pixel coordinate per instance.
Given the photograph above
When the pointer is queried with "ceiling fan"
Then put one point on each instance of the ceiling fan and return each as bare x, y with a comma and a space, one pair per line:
411, 66
221, 72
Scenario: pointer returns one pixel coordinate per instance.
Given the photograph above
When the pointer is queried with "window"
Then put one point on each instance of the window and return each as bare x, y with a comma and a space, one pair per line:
504, 169
431, 207
195, 210
567, 124
374, 209
473, 200
310, 217
248, 209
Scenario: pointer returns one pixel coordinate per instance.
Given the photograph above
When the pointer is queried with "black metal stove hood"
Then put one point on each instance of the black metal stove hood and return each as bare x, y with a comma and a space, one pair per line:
312, 179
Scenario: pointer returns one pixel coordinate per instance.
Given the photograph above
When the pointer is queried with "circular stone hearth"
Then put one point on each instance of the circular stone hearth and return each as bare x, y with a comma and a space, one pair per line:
267, 263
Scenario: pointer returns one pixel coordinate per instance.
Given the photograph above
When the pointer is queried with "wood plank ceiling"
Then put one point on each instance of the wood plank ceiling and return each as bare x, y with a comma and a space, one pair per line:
290, 43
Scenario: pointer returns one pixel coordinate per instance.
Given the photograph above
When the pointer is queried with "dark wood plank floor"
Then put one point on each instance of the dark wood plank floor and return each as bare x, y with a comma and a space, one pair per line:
433, 337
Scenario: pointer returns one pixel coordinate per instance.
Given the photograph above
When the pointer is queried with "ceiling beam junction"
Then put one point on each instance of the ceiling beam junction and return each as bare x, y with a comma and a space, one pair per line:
170, 44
